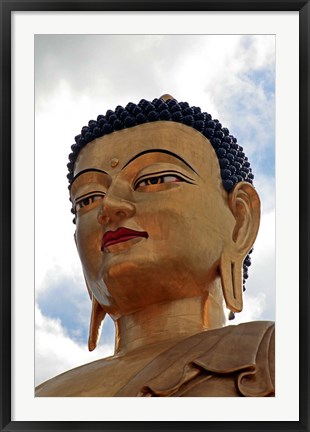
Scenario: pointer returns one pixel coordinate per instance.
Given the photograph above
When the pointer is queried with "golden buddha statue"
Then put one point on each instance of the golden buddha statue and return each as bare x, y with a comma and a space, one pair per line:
166, 215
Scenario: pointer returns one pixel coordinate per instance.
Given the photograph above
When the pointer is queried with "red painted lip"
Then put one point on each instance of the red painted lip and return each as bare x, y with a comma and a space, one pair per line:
120, 235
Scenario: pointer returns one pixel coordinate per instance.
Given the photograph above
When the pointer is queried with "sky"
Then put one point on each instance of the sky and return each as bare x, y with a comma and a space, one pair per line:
77, 77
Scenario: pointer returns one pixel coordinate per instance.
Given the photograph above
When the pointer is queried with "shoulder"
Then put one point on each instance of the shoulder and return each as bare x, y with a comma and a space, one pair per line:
84, 380
66, 384
246, 351
236, 360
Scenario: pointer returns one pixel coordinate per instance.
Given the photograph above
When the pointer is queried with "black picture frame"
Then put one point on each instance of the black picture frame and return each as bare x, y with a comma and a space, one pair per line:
9, 6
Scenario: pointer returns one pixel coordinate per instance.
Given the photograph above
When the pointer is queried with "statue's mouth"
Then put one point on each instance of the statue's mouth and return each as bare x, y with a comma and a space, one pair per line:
120, 235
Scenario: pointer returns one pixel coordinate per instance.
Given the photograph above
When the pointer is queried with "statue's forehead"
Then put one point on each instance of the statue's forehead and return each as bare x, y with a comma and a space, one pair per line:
113, 151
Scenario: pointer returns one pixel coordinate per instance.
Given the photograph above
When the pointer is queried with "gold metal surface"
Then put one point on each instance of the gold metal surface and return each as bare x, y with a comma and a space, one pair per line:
167, 281
114, 162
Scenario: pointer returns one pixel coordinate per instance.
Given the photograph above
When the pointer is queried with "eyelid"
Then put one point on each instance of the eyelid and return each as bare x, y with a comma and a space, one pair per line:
81, 198
87, 183
88, 194
162, 174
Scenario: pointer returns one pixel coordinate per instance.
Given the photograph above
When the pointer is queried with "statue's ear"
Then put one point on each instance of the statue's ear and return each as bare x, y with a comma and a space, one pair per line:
96, 319
244, 203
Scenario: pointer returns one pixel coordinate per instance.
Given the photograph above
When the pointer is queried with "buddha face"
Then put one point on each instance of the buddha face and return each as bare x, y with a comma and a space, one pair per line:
152, 216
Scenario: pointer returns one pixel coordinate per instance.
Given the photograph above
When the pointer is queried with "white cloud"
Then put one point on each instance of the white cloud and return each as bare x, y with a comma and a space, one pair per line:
253, 307
56, 352
265, 242
262, 272
265, 186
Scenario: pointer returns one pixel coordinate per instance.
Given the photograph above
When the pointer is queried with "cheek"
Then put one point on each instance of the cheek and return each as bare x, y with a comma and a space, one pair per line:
88, 238
187, 224
161, 220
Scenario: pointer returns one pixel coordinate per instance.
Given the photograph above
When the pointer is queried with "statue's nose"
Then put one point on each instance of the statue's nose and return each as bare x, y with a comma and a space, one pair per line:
115, 209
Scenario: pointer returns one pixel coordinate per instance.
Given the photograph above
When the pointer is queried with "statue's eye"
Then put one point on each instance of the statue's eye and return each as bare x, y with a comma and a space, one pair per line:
86, 201
155, 180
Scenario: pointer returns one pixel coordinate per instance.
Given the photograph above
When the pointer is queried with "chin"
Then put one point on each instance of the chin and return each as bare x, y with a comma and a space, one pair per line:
124, 259
135, 285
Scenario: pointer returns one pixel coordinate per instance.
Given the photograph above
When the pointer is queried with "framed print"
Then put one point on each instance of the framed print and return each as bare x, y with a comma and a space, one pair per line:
63, 64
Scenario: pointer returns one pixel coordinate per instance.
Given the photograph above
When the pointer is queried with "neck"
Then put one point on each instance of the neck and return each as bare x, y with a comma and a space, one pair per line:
168, 322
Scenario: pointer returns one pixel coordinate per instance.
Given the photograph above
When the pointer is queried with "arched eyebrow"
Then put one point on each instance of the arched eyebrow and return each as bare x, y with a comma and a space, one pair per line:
160, 151
88, 170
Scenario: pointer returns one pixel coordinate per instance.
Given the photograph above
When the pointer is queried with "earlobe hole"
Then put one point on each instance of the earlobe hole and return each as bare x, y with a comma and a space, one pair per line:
233, 278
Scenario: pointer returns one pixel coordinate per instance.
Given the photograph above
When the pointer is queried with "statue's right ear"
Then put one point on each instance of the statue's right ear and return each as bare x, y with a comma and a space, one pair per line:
96, 319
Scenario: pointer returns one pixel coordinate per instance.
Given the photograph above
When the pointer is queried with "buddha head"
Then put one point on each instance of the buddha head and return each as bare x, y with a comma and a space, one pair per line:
164, 208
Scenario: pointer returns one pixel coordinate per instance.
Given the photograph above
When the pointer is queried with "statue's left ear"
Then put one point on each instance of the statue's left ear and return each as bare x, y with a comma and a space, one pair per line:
244, 203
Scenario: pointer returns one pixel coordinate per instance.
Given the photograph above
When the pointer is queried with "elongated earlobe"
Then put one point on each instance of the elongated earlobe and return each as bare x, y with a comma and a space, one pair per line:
231, 277
97, 317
